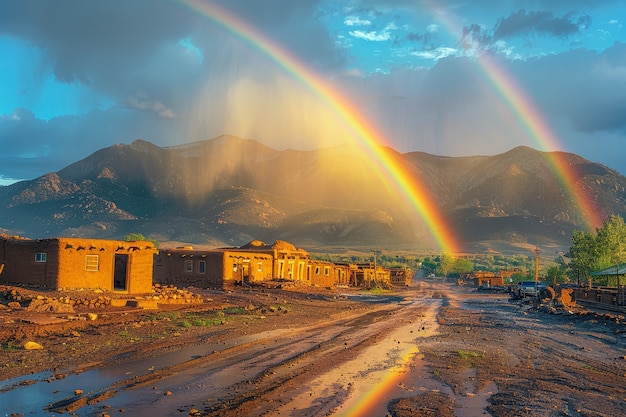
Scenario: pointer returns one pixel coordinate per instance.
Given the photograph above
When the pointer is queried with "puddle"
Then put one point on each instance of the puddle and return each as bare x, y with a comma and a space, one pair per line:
31, 394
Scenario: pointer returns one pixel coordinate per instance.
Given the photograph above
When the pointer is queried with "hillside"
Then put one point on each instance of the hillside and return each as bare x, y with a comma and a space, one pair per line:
227, 191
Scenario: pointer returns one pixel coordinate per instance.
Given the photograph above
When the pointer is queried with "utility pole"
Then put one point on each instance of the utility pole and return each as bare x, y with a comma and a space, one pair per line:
537, 272
375, 273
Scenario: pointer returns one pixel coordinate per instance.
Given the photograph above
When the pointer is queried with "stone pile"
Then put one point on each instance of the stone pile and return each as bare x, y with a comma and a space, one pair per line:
172, 295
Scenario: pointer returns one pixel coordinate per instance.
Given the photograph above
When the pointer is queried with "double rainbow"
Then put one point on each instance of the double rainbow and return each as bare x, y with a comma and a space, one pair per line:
387, 162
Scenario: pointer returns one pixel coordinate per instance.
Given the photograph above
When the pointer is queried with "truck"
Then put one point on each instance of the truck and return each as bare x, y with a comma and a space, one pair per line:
528, 289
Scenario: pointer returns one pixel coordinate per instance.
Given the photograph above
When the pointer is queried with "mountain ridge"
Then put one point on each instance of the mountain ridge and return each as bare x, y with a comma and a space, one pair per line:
228, 190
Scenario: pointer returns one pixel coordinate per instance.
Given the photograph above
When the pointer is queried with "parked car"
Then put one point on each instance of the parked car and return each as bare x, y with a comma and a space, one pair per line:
528, 288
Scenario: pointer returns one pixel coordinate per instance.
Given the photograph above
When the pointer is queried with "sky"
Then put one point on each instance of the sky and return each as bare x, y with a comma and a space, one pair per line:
446, 77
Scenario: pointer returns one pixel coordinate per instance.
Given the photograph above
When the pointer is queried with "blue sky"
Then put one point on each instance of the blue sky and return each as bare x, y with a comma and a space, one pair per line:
77, 76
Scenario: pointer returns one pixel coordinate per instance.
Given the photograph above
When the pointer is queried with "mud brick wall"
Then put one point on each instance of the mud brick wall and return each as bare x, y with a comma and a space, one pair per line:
20, 266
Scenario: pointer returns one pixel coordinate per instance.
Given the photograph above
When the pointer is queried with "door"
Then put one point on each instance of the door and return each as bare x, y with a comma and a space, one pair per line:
120, 272
245, 272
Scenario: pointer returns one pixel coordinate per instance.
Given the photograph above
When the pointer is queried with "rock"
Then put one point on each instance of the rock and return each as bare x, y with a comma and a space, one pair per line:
14, 305
78, 392
50, 305
32, 346
92, 316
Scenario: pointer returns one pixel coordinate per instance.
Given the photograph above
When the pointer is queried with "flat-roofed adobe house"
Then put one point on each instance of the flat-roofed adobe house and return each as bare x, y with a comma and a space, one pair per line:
366, 275
487, 279
214, 268
401, 276
78, 263
289, 262
321, 273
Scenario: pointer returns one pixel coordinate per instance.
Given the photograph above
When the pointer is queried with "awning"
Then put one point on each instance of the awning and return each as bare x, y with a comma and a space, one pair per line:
619, 269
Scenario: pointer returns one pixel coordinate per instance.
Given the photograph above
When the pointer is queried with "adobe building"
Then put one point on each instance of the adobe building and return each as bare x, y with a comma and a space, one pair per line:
401, 276
215, 268
211, 268
366, 275
320, 273
487, 279
66, 263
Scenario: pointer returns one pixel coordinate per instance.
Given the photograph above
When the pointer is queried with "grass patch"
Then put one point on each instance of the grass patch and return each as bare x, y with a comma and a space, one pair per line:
10, 347
125, 334
470, 357
377, 291
201, 321
234, 310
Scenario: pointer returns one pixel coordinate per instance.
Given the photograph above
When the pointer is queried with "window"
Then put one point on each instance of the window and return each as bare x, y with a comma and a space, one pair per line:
202, 267
91, 262
260, 267
189, 266
327, 270
41, 257
317, 270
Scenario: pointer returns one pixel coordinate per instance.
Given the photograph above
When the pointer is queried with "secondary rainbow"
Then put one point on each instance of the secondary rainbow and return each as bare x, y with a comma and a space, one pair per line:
370, 138
534, 125
537, 129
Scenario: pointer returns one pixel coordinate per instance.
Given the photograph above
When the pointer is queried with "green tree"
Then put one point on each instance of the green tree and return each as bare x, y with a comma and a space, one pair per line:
138, 237
556, 273
446, 264
462, 266
429, 266
590, 252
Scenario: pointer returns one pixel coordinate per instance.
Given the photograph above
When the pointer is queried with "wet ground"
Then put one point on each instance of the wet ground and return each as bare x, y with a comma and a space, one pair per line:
429, 350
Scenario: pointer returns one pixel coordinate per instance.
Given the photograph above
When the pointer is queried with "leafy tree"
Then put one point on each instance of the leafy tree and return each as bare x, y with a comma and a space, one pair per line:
463, 266
138, 237
556, 273
590, 252
446, 264
429, 266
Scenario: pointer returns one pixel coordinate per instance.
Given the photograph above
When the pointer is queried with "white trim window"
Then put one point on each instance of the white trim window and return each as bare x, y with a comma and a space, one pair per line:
92, 262
41, 257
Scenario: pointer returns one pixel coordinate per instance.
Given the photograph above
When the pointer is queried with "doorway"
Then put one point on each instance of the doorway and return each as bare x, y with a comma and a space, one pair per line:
120, 272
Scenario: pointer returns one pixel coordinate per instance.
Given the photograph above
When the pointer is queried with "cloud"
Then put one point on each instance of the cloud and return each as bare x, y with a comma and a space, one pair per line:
33, 147
371, 36
356, 21
174, 76
140, 101
524, 22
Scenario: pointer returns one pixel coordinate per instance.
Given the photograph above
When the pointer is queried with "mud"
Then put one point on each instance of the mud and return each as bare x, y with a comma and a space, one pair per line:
431, 349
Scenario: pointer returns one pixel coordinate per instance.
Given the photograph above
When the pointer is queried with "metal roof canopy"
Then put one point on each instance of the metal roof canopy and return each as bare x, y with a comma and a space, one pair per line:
619, 269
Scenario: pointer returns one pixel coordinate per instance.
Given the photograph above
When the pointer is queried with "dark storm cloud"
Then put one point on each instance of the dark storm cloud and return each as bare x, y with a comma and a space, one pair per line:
130, 52
524, 22
124, 48
428, 40
594, 106
34, 145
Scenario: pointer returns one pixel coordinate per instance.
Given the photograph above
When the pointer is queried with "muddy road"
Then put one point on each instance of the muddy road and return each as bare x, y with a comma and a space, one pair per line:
428, 350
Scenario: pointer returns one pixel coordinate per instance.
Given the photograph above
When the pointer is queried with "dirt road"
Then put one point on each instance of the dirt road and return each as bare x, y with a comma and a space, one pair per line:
429, 350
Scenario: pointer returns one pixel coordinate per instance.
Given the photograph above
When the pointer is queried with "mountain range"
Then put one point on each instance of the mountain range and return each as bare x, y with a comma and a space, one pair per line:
228, 191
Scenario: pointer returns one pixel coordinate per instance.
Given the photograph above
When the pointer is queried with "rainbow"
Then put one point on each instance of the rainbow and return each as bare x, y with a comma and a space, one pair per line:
370, 138
537, 129
379, 392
